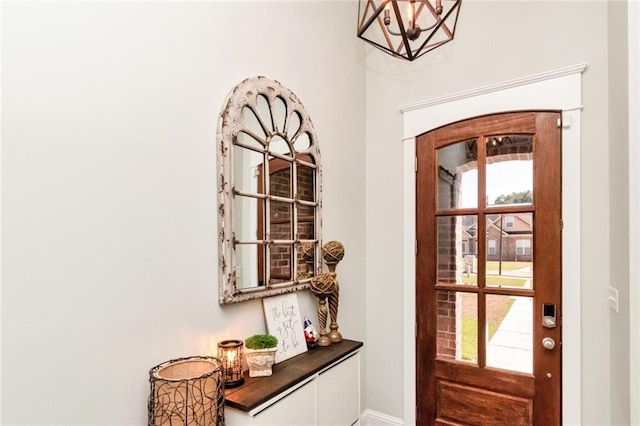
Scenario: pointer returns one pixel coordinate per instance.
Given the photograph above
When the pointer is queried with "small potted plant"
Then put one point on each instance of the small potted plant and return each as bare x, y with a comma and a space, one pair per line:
260, 353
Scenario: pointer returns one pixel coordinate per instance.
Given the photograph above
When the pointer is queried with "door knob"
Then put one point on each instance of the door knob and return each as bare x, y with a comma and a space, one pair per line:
548, 343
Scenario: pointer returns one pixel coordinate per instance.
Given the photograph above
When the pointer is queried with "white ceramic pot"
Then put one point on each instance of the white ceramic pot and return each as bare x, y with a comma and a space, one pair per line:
260, 361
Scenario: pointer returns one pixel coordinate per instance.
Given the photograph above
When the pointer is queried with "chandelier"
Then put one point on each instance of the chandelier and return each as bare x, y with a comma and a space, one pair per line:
407, 28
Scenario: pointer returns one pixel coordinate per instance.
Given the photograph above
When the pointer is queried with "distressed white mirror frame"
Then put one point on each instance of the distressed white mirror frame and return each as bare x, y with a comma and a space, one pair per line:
279, 116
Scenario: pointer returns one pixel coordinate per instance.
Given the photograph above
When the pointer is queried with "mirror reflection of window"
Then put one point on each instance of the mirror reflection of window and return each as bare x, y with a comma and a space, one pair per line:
270, 197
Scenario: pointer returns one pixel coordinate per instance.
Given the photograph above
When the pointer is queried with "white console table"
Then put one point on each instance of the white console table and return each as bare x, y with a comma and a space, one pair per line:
320, 387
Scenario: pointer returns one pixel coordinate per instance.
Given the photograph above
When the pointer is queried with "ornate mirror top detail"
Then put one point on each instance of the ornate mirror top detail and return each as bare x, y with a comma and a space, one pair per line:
269, 193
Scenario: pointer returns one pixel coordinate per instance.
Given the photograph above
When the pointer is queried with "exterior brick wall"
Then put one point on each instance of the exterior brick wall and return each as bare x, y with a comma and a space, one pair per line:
448, 324
449, 318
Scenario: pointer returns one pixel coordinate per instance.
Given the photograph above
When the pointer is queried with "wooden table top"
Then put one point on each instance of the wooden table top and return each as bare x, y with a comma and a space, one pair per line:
257, 390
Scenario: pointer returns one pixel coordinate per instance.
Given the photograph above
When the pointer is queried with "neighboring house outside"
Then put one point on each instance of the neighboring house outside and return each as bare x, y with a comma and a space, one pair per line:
469, 236
509, 238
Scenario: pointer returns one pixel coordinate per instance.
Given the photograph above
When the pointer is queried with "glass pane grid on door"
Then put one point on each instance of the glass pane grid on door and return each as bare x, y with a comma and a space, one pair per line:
479, 318
484, 297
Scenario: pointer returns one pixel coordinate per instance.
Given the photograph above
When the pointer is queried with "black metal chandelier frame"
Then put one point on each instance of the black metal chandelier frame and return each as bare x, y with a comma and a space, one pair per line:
409, 41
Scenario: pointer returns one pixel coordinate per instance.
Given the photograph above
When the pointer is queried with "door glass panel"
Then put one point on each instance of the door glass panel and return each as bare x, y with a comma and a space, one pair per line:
458, 175
510, 333
509, 169
457, 323
457, 249
510, 250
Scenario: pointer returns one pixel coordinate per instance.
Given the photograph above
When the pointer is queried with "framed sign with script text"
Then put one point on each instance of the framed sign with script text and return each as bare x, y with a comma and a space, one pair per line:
284, 321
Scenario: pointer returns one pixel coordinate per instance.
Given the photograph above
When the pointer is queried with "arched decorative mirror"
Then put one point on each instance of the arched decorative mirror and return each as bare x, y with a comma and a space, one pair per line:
269, 193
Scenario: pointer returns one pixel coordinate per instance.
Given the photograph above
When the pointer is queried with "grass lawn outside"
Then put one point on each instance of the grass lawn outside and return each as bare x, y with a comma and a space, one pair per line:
494, 265
496, 312
496, 280
507, 266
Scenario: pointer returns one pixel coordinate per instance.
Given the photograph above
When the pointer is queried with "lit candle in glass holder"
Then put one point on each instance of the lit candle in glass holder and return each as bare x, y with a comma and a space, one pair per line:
230, 354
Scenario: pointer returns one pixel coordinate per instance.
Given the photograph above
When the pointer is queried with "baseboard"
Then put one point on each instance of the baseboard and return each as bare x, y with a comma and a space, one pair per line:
374, 418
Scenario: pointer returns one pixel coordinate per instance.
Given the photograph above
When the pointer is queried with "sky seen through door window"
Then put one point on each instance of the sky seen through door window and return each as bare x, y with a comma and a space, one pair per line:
505, 178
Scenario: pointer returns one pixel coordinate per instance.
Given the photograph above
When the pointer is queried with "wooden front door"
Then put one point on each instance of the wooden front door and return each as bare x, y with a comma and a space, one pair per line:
488, 271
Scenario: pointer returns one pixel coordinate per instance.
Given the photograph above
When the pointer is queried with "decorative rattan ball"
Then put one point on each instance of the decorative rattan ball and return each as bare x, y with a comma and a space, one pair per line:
333, 252
308, 251
322, 284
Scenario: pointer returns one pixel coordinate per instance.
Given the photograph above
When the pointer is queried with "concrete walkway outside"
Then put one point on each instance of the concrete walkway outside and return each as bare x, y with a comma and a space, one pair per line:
511, 347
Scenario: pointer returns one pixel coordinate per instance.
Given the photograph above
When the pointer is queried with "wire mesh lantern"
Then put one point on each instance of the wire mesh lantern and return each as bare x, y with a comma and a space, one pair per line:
230, 354
187, 391
407, 28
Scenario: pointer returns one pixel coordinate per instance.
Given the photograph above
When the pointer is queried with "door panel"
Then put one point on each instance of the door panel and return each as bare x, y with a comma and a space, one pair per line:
490, 408
483, 185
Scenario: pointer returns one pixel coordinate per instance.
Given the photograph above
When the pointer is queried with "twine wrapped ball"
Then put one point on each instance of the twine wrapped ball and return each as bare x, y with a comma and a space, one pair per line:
322, 284
308, 252
333, 252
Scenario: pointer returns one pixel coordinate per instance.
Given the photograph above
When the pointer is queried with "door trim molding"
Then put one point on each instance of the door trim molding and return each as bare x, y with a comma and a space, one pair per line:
559, 90
522, 81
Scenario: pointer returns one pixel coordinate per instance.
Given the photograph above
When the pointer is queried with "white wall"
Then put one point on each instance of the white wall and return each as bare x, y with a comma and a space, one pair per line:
619, 202
634, 206
109, 189
109, 112
495, 41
